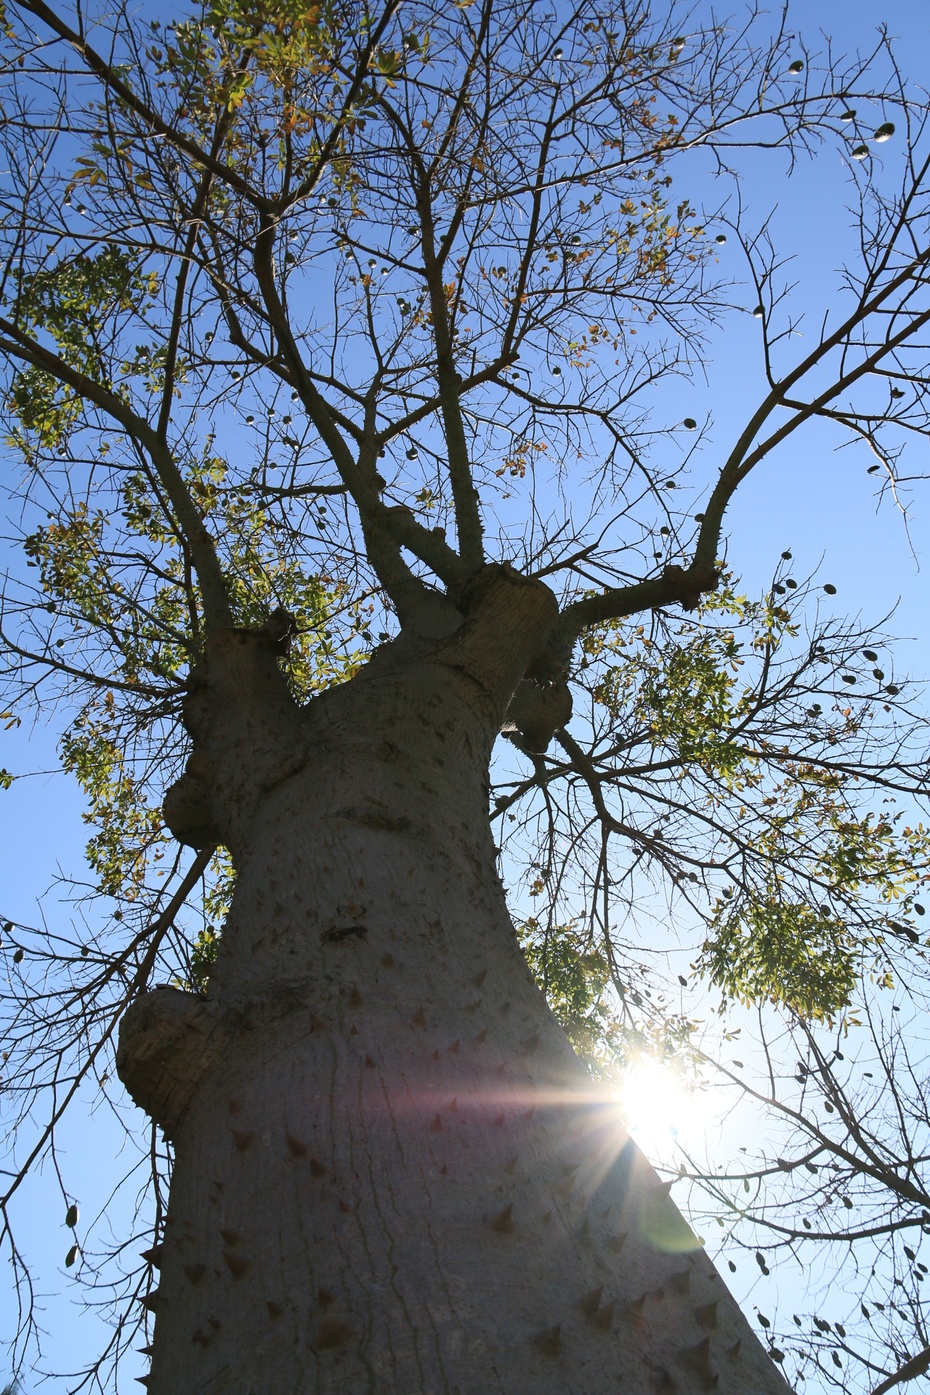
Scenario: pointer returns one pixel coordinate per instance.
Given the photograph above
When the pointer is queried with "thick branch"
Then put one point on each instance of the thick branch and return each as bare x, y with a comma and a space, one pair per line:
464, 493
742, 459
675, 586
177, 313
917, 1366
385, 529
217, 612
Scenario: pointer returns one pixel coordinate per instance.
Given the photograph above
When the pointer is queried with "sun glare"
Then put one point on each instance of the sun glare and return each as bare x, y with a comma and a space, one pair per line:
657, 1105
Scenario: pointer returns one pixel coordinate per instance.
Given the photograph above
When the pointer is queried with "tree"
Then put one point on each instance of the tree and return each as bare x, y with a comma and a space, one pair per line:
331, 334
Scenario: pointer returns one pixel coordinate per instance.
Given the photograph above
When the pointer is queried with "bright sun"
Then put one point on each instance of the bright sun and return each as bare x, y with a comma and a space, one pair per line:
657, 1105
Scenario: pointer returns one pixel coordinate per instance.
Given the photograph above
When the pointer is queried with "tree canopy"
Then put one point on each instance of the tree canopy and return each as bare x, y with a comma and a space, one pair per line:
310, 313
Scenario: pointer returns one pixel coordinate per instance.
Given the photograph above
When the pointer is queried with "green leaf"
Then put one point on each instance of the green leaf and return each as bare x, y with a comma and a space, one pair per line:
768, 947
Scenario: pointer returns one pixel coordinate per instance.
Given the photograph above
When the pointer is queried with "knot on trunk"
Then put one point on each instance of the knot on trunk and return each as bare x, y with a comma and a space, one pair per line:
186, 808
689, 585
168, 1042
536, 712
280, 628
238, 675
245, 725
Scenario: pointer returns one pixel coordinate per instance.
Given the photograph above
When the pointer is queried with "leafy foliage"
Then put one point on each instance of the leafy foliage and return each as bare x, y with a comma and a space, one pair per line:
717, 769
576, 980
78, 302
786, 952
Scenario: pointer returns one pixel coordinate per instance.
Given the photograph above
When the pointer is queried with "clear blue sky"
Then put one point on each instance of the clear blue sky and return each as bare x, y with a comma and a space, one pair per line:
818, 502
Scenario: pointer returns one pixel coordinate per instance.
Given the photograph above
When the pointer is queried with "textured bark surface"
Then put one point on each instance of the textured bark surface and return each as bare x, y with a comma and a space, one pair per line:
392, 1174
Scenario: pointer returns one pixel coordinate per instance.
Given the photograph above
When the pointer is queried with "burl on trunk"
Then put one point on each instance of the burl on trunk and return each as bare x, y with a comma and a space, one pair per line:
392, 1174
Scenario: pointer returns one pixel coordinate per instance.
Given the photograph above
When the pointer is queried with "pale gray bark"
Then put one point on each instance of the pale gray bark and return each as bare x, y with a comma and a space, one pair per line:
392, 1174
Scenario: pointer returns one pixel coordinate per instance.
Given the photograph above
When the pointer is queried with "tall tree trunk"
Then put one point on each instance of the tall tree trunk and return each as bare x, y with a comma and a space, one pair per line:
392, 1174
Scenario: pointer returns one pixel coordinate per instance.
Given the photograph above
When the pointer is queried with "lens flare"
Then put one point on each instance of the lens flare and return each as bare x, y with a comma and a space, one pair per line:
657, 1105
